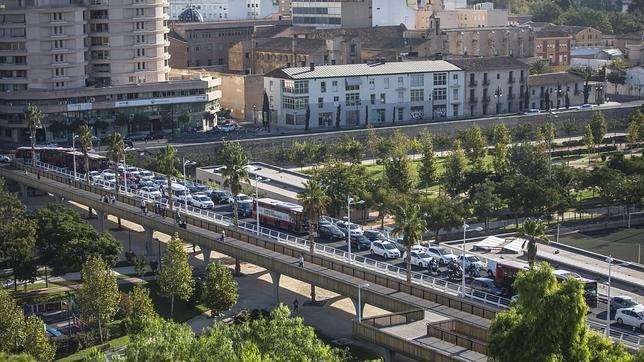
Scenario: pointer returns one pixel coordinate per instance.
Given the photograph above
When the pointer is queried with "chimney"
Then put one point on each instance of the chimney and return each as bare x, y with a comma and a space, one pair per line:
312, 66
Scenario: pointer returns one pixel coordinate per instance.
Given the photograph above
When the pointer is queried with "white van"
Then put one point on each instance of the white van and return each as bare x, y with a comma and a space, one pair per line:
180, 192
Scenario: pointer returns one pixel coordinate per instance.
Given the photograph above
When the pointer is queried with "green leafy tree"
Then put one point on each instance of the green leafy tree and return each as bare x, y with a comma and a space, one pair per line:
443, 213
475, 146
12, 336
428, 170
545, 11
588, 139
633, 133
583, 16
99, 297
167, 164
410, 225
33, 120
623, 23
533, 231
162, 340
484, 201
37, 343
599, 127
351, 150
455, 164
539, 66
219, 289
116, 153
65, 241
235, 171
314, 200
339, 181
399, 171
501, 163
85, 138
138, 309
548, 323
617, 73
382, 199
140, 266
175, 276
23, 357
528, 160
184, 120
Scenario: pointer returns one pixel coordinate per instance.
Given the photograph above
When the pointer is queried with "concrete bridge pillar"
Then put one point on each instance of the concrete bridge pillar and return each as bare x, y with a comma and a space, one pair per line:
275, 278
359, 308
150, 246
101, 219
206, 255
237, 267
23, 191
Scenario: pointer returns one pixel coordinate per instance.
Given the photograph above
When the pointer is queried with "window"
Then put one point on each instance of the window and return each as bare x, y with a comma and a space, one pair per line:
295, 102
352, 99
270, 85
386, 83
99, 28
57, 16
57, 30
139, 11
372, 98
417, 95
323, 87
298, 86
140, 38
455, 77
417, 80
454, 94
58, 44
401, 82
140, 66
440, 94
382, 98
140, 25
372, 84
401, 111
336, 99
498, 75
140, 52
334, 85
440, 78
58, 72
320, 102
455, 110
59, 58
351, 87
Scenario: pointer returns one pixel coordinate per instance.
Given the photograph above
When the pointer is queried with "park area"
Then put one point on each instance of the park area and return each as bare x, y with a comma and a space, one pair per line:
624, 244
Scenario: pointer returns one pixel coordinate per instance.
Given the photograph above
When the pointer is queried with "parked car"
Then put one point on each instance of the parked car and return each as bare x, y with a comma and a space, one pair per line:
442, 255
146, 175
403, 249
227, 127
623, 301
5, 158
471, 260
360, 242
420, 258
201, 201
94, 176
486, 285
330, 232
201, 189
633, 317
149, 193
532, 111
220, 196
148, 183
108, 177
374, 235
385, 249
585, 107
355, 228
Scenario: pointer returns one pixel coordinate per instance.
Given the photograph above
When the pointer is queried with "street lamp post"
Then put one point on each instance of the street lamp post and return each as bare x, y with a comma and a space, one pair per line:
257, 181
185, 193
350, 202
610, 261
465, 228
360, 300
74, 137
254, 114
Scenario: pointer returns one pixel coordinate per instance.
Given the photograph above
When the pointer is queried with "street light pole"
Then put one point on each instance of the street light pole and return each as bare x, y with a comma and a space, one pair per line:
350, 202
185, 193
609, 260
257, 180
74, 153
465, 228
360, 300
124, 172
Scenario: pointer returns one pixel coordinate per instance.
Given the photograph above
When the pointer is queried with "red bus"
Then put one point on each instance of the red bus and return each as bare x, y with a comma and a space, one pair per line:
280, 214
63, 157
505, 271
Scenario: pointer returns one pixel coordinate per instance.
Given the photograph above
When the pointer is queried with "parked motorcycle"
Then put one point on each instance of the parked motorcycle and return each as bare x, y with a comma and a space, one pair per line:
473, 271
432, 267
454, 270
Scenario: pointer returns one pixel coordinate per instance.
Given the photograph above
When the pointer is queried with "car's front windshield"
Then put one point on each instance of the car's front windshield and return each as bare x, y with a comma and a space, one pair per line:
423, 255
388, 246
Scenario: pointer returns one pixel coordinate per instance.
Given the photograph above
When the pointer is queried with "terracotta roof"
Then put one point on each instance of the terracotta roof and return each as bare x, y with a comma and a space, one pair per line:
559, 31
553, 78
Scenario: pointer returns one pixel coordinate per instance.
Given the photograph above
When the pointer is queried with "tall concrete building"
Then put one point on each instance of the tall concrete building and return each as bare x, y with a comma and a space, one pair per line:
79, 60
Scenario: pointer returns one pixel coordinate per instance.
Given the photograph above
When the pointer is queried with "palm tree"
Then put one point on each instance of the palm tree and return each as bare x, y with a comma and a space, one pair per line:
314, 201
85, 139
410, 224
532, 231
33, 118
167, 165
116, 152
234, 171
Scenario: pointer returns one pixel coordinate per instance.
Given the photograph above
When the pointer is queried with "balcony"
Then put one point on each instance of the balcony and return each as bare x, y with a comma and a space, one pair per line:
486, 99
522, 80
486, 82
511, 80
472, 83
510, 96
473, 100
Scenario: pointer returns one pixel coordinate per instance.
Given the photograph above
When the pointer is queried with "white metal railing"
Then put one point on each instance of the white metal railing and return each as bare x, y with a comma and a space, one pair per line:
440, 284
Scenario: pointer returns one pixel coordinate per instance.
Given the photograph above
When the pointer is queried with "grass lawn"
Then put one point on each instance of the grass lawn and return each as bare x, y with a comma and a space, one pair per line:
620, 243
81, 355
182, 312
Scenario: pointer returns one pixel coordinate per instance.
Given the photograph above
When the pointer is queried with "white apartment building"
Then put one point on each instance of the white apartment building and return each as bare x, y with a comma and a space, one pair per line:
414, 15
365, 93
226, 9
332, 13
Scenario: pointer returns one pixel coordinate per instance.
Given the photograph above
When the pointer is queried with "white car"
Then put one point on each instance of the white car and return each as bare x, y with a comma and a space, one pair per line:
633, 317
228, 127
5, 158
94, 176
385, 249
108, 177
148, 192
355, 228
146, 175
201, 201
443, 255
531, 112
471, 259
402, 248
585, 107
420, 258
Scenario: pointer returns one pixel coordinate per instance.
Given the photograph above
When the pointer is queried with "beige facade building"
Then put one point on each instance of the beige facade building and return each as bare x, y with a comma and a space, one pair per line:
472, 18
550, 90
92, 61
509, 41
